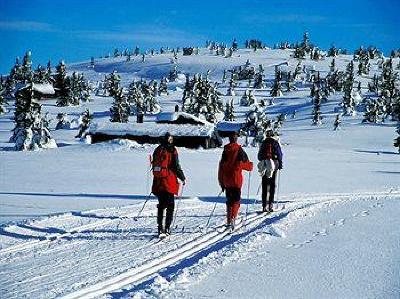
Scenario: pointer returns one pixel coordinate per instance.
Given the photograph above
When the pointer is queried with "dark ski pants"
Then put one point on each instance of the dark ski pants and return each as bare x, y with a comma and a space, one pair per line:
268, 188
232, 203
165, 201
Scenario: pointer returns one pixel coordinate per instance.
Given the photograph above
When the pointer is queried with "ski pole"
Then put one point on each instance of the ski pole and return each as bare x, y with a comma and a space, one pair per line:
212, 212
141, 210
177, 206
248, 196
279, 184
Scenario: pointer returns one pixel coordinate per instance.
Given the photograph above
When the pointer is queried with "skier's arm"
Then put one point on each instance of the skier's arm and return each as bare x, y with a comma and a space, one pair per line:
177, 168
245, 163
220, 181
279, 154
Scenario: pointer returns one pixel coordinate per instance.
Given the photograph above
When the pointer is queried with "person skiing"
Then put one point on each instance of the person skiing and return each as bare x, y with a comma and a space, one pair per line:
166, 172
233, 161
270, 150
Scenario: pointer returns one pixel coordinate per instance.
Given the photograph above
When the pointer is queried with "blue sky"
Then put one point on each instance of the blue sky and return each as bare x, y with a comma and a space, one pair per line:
76, 30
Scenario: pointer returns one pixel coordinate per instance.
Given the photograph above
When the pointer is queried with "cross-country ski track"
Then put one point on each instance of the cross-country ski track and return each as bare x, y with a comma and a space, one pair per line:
89, 254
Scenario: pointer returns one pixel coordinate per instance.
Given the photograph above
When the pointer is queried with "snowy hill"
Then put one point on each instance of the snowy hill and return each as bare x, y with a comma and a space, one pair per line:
68, 215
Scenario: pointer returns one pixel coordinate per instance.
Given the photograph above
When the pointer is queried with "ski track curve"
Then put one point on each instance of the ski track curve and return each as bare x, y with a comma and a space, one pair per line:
106, 255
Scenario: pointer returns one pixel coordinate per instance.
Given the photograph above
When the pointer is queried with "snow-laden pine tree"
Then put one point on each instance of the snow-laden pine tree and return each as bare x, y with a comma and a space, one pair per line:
113, 83
372, 110
229, 111
62, 122
348, 100
316, 114
120, 109
259, 80
336, 124
27, 66
163, 88
2, 99
333, 52
31, 129
85, 120
397, 140
276, 90
61, 84
40, 75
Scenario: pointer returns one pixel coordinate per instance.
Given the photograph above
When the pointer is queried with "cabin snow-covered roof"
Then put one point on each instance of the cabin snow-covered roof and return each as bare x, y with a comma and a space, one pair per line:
180, 118
152, 129
43, 88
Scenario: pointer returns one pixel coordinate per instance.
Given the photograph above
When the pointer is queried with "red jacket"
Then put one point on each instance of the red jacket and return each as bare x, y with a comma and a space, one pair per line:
233, 161
169, 183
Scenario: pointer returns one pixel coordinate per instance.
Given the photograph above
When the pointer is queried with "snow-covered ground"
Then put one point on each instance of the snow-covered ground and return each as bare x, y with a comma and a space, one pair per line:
68, 214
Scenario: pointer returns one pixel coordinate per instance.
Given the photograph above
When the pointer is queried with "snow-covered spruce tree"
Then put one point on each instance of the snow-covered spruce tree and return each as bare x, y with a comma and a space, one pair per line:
120, 109
16, 73
40, 75
202, 99
27, 66
2, 99
61, 84
31, 129
371, 112
229, 112
332, 66
333, 52
336, 124
173, 74
316, 114
276, 90
348, 101
259, 81
298, 71
62, 122
163, 89
388, 80
85, 120
397, 140
113, 83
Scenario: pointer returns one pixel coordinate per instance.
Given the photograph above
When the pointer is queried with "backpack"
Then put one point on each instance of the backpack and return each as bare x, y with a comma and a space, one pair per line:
269, 151
160, 163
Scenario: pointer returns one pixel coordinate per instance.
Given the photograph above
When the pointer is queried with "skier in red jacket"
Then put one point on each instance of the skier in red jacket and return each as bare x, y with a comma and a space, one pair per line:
230, 178
166, 171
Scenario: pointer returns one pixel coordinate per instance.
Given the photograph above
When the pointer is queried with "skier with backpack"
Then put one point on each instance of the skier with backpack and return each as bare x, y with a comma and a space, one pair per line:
270, 157
233, 161
166, 172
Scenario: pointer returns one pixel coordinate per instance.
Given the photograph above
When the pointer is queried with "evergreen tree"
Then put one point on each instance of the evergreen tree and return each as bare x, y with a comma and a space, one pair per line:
63, 122
40, 75
276, 90
85, 120
348, 101
317, 110
229, 113
337, 123
333, 52
61, 85
259, 81
397, 140
120, 109
163, 89
113, 83
2, 100
27, 66
31, 129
